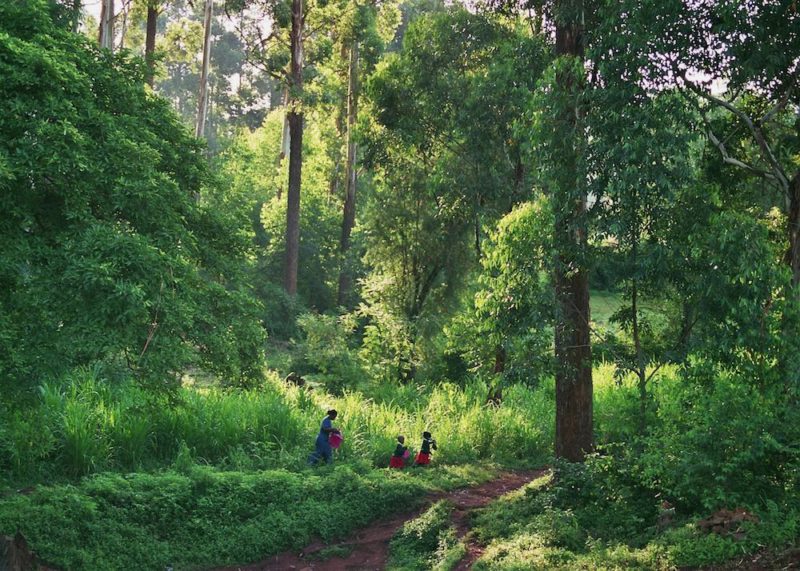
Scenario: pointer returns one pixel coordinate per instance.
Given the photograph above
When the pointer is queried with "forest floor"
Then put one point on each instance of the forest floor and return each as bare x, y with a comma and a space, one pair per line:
368, 549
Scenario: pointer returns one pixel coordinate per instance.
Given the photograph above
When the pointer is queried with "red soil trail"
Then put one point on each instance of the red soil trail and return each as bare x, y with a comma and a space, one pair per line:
369, 547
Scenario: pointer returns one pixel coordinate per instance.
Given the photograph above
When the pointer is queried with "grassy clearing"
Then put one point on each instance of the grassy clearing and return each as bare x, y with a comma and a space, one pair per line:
604, 304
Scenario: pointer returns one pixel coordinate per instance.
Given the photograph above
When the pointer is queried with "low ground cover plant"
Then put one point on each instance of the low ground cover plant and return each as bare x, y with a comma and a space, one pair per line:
202, 517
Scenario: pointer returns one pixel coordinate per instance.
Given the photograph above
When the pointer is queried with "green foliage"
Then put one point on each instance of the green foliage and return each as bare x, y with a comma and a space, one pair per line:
258, 178
108, 253
89, 424
596, 516
512, 311
202, 518
444, 158
422, 533
328, 348
720, 441
426, 542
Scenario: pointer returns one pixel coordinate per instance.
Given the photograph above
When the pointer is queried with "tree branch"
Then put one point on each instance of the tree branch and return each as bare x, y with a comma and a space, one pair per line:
777, 172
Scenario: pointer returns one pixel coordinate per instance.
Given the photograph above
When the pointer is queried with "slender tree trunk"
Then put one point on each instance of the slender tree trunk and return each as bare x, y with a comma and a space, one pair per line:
295, 115
349, 217
202, 100
641, 371
572, 344
789, 365
124, 27
495, 395
150, 42
284, 152
285, 133
76, 15
106, 33
793, 223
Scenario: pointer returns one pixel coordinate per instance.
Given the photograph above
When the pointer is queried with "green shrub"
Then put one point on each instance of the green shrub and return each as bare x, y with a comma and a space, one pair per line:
425, 542
327, 349
720, 441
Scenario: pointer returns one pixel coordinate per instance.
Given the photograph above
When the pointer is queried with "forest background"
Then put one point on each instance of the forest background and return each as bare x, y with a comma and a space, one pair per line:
553, 233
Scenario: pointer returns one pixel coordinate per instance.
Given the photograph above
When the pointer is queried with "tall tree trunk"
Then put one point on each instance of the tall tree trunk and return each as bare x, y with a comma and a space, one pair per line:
789, 365
284, 152
572, 344
349, 217
202, 100
285, 133
76, 15
641, 371
295, 116
150, 42
124, 27
106, 32
793, 223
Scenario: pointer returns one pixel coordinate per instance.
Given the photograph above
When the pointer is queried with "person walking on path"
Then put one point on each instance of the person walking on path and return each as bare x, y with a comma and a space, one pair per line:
323, 448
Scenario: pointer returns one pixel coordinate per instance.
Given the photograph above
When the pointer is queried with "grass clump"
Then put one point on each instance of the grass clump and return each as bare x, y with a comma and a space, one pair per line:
427, 542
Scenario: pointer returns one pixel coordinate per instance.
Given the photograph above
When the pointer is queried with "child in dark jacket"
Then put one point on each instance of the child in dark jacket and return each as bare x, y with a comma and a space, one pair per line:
424, 454
400, 453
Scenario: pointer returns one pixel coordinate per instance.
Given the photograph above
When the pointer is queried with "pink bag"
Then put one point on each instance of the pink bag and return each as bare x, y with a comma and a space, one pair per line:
335, 439
406, 454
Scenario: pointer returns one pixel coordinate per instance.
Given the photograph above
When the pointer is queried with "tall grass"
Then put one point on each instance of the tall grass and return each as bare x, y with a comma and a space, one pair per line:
86, 425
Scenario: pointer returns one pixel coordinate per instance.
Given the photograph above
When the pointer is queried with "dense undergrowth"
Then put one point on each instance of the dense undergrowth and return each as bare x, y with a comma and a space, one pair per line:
213, 476
87, 425
202, 517
597, 516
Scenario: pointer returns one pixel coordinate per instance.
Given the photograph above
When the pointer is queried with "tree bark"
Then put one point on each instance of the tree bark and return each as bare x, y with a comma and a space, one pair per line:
495, 395
572, 344
202, 103
793, 223
295, 116
641, 371
76, 15
150, 43
349, 216
106, 32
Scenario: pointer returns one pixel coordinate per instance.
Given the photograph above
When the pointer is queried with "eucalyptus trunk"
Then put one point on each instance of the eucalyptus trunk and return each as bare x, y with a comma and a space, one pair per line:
202, 103
349, 217
150, 42
76, 15
295, 119
572, 344
106, 32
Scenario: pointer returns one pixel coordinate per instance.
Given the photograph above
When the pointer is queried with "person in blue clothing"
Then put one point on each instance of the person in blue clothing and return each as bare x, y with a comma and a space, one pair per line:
323, 448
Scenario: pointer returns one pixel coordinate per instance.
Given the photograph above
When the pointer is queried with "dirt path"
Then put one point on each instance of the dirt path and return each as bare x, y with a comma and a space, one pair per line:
369, 548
